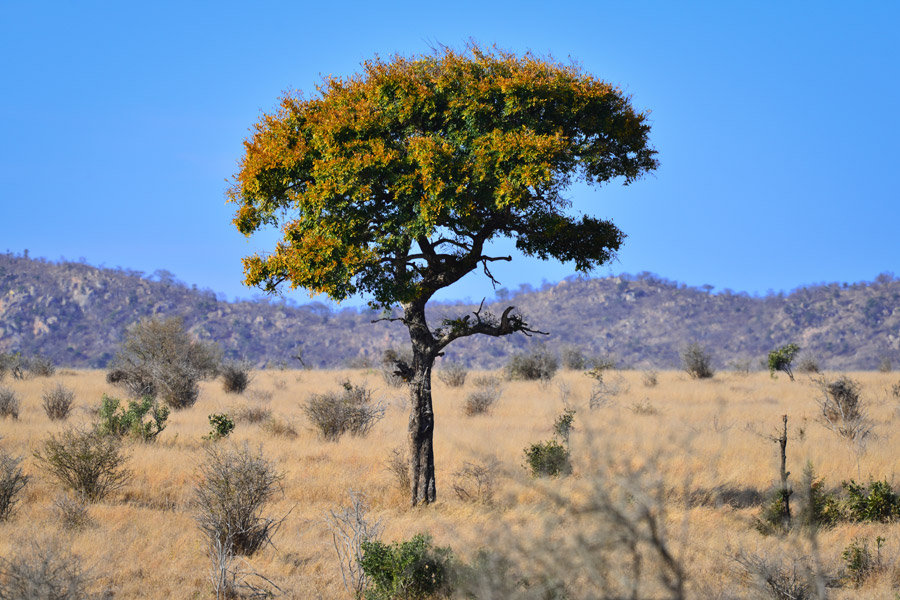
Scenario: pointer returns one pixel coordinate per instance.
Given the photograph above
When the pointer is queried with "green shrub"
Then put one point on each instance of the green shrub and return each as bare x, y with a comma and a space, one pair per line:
57, 402
876, 502
407, 570
547, 459
781, 358
9, 403
539, 363
860, 563
818, 507
120, 422
222, 426
12, 481
85, 461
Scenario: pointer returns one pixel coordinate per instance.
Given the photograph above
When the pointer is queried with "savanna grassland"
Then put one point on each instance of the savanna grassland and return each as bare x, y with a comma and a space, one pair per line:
698, 454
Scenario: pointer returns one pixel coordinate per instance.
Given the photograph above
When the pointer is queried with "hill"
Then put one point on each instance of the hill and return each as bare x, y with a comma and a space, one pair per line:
77, 314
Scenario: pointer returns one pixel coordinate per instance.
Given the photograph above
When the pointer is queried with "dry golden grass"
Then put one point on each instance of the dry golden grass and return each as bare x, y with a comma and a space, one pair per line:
705, 438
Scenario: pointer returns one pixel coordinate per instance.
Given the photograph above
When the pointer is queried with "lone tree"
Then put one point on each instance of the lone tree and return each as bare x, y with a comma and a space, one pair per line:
392, 183
780, 359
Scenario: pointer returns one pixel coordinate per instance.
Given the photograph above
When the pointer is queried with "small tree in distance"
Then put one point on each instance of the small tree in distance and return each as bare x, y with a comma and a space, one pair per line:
697, 361
393, 183
780, 359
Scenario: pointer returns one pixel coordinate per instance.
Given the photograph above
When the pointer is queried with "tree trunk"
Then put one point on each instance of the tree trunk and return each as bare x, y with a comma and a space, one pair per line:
421, 413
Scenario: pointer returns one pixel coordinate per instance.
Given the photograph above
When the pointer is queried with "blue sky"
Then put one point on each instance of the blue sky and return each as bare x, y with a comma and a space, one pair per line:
776, 125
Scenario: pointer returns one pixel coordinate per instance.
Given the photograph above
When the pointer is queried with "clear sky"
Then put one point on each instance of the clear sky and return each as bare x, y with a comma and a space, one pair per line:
776, 125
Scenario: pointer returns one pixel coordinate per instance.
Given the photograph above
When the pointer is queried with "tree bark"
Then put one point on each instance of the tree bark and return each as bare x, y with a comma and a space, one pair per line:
421, 414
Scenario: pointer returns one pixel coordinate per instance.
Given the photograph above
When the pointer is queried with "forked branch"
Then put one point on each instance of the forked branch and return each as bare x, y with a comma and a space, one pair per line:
484, 323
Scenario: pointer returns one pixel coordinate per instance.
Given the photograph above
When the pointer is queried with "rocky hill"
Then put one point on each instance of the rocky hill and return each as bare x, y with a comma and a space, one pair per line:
77, 314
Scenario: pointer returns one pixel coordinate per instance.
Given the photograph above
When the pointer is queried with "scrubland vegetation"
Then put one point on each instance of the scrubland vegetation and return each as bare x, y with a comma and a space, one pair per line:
673, 490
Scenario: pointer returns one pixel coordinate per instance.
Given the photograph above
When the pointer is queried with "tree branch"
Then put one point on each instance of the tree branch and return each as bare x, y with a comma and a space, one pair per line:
484, 324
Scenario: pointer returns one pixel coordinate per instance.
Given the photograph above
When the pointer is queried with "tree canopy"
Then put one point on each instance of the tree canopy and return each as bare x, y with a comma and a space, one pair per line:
392, 181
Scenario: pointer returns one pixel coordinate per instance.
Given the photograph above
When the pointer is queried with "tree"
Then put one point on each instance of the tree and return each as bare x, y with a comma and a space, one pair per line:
393, 182
780, 359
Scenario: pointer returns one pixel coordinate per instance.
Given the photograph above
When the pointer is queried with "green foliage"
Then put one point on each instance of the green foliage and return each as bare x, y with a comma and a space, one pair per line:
367, 176
406, 570
547, 459
120, 422
222, 425
818, 507
85, 461
538, 363
781, 358
563, 425
860, 563
876, 502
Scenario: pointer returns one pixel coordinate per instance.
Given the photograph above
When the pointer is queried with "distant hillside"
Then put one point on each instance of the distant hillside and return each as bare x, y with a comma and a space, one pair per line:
77, 314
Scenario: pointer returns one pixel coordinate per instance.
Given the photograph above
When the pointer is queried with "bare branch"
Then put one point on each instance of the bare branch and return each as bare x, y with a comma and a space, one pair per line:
485, 324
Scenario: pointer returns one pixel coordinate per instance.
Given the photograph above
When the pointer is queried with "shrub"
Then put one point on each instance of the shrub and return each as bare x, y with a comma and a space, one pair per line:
453, 375
808, 363
120, 422
547, 459
895, 390
222, 425
350, 527
14, 364
860, 563
350, 411
397, 464
12, 481
876, 502
86, 462
697, 361
254, 414
9, 403
44, 571
233, 488
573, 358
235, 377
650, 378
474, 482
773, 579
818, 506
279, 428
41, 366
159, 358
842, 408
72, 512
487, 392
885, 365
781, 358
536, 364
57, 402
563, 425
410, 570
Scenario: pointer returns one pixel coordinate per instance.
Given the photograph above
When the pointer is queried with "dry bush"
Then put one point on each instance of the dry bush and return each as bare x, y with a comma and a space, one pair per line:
393, 363
44, 571
643, 408
9, 403
71, 512
697, 361
397, 464
842, 408
350, 526
476, 482
279, 428
57, 402
235, 377
350, 411
453, 375
780, 578
12, 481
159, 358
487, 392
41, 366
538, 363
807, 363
650, 378
233, 487
85, 461
253, 414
